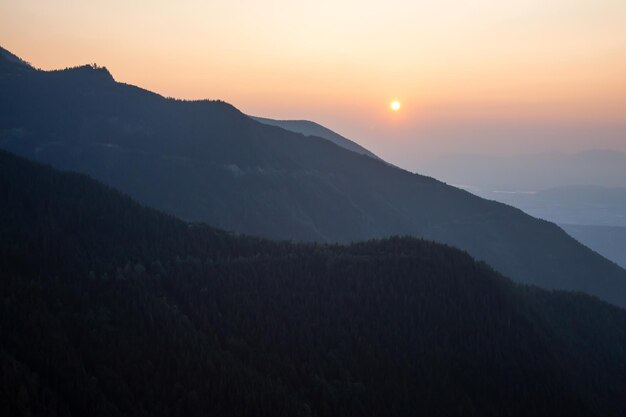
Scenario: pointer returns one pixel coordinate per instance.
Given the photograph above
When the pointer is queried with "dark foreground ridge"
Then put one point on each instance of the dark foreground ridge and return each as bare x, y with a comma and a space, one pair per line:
108, 308
206, 161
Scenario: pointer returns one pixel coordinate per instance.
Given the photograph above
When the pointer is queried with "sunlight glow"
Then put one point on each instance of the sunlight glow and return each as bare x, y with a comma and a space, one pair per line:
470, 76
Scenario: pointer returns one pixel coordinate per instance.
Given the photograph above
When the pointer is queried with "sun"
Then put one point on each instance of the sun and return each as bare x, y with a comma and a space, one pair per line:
395, 105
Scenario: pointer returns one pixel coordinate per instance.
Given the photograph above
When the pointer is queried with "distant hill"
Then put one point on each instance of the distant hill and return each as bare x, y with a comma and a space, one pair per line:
530, 172
608, 241
309, 128
113, 309
206, 161
573, 204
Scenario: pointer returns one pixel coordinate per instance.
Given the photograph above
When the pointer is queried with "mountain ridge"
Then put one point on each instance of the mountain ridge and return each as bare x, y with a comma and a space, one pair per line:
206, 161
111, 308
609, 241
310, 128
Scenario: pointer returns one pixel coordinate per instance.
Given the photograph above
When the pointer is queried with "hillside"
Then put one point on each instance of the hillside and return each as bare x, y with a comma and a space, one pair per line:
206, 161
609, 241
113, 309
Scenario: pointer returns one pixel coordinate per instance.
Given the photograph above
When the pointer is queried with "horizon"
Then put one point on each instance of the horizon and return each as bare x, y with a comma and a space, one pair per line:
520, 78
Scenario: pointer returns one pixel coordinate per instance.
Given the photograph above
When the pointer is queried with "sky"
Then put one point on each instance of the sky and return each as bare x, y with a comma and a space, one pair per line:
479, 76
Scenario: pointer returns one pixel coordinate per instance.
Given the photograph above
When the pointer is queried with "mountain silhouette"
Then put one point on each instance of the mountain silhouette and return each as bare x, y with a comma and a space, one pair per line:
206, 161
609, 241
309, 128
110, 308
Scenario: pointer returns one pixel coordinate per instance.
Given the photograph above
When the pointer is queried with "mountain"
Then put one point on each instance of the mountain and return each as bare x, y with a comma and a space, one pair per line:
573, 204
206, 161
593, 215
531, 172
10, 62
110, 308
309, 128
608, 241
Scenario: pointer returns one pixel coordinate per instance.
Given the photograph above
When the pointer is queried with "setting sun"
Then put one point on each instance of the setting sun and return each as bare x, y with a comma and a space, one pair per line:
395, 105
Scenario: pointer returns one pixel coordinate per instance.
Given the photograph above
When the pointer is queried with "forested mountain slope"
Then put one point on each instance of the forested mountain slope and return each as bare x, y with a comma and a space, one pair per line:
206, 161
112, 309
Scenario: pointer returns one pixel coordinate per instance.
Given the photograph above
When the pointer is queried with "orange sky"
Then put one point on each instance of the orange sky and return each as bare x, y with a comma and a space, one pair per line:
472, 75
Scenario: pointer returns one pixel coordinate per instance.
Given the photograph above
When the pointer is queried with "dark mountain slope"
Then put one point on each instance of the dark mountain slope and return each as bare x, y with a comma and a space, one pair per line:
206, 161
309, 128
10, 63
609, 241
110, 308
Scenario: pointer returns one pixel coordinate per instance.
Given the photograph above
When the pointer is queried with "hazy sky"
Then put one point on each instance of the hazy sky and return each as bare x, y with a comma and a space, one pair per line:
472, 76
